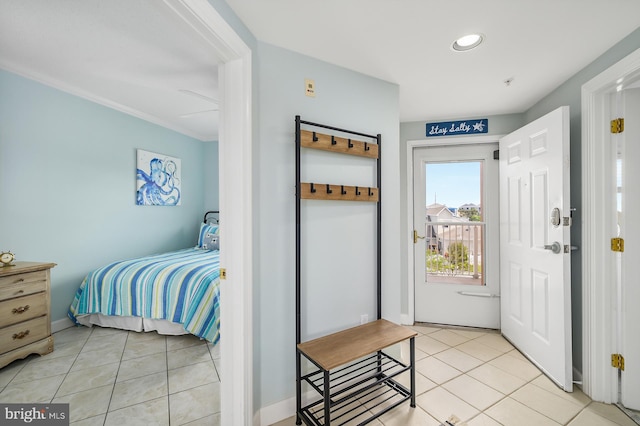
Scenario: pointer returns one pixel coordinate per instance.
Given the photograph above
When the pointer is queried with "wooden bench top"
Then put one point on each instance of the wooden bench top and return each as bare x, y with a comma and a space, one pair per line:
349, 345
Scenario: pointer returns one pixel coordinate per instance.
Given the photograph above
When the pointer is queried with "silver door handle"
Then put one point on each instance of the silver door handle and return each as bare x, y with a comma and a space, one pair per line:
555, 247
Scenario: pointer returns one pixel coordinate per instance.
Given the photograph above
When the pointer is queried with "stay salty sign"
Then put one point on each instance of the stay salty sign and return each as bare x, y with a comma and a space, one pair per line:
457, 128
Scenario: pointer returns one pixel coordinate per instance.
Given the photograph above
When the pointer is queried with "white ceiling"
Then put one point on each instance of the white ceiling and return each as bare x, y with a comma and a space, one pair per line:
537, 43
139, 57
134, 55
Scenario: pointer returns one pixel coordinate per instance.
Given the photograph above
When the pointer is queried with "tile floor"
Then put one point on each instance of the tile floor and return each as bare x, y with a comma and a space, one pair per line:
115, 377
481, 379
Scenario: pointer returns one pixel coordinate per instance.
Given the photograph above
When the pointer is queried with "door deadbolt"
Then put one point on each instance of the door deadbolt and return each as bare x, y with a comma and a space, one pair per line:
555, 217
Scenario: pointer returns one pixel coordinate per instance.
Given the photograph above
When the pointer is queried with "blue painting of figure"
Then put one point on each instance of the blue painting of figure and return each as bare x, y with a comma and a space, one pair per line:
157, 180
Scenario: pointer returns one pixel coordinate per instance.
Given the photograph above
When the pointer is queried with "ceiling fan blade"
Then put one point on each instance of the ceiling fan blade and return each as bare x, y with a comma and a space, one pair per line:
191, 114
199, 95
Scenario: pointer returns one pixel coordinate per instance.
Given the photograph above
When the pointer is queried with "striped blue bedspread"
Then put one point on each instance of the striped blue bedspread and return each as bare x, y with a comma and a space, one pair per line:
181, 286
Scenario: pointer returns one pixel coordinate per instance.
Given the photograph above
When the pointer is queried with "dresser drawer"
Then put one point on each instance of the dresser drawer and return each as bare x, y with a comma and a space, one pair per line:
22, 284
17, 335
22, 308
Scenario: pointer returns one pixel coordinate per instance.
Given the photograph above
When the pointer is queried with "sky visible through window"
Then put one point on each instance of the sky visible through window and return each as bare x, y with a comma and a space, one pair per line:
453, 183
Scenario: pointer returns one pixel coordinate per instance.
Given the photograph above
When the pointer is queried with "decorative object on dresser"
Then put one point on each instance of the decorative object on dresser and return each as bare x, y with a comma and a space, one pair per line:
6, 257
25, 316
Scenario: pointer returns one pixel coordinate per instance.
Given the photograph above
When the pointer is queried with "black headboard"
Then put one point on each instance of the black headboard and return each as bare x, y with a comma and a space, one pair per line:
212, 215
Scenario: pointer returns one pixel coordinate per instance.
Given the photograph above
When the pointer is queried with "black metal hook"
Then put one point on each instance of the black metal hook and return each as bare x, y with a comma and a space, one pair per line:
342, 191
350, 144
357, 192
366, 147
370, 192
312, 188
329, 191
315, 137
333, 140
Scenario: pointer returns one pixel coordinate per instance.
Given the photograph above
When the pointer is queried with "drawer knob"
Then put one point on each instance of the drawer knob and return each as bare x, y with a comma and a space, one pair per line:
20, 309
21, 335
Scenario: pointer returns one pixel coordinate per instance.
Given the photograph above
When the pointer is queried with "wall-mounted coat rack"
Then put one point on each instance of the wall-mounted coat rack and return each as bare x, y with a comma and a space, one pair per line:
351, 365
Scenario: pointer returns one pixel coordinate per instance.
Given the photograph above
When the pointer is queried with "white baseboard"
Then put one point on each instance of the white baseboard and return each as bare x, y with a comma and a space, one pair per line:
405, 320
283, 409
277, 412
60, 325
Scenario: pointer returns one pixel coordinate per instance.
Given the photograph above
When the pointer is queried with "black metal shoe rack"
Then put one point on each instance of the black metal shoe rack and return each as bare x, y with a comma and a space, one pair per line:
355, 379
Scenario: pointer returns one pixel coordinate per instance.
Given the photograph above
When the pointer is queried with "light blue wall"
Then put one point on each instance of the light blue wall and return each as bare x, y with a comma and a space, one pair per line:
211, 177
67, 184
344, 99
234, 22
569, 93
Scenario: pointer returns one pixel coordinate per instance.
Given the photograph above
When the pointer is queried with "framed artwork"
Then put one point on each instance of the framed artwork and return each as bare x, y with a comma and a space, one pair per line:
157, 179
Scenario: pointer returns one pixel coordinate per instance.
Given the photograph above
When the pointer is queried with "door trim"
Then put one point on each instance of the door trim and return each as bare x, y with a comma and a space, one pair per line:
409, 318
600, 381
235, 136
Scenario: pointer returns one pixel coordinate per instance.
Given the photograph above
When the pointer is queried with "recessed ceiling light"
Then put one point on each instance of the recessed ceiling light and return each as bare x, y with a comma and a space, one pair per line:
467, 42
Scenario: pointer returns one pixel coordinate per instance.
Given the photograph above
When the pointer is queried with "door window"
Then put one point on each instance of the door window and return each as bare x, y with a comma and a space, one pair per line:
454, 225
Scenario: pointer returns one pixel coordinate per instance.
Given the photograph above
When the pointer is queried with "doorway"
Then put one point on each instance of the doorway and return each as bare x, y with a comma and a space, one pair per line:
605, 306
236, 174
456, 236
625, 152
534, 227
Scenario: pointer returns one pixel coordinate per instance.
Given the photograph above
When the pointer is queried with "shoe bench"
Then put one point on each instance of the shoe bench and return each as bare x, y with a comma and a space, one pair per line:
354, 376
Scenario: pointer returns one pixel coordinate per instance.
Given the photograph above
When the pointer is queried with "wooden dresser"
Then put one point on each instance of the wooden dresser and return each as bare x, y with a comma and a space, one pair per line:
25, 312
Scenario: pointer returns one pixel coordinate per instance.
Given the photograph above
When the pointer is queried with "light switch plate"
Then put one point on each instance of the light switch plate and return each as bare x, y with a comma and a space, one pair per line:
310, 88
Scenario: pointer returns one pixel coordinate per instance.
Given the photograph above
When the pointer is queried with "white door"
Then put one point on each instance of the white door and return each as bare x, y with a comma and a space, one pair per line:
628, 206
455, 282
535, 246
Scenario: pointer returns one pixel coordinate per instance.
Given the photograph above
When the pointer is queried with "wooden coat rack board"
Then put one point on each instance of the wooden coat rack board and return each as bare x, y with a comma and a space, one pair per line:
352, 366
311, 191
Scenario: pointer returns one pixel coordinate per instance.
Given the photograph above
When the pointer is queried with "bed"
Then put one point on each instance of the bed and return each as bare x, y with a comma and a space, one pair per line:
172, 293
